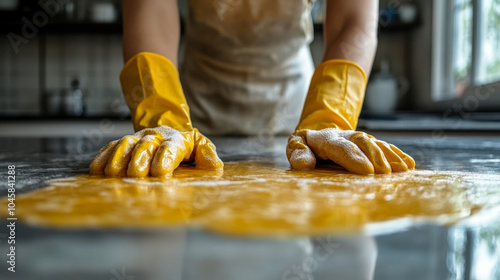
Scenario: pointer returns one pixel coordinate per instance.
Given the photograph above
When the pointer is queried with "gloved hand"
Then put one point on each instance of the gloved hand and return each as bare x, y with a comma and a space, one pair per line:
164, 135
326, 129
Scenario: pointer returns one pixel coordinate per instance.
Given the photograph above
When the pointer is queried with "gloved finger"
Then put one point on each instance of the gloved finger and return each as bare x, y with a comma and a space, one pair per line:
205, 153
298, 153
372, 151
397, 163
120, 157
140, 161
101, 159
170, 154
410, 162
340, 150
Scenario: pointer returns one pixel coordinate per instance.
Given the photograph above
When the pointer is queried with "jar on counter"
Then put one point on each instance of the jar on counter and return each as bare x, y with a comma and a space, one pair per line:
73, 104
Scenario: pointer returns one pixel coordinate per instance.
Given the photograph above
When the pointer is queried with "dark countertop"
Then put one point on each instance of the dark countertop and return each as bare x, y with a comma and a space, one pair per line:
423, 252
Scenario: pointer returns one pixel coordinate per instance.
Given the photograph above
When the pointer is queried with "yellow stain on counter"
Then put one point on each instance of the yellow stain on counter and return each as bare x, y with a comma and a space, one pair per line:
258, 198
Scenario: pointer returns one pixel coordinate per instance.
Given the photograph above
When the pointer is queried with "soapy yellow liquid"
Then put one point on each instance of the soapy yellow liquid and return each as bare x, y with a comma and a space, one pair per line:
258, 198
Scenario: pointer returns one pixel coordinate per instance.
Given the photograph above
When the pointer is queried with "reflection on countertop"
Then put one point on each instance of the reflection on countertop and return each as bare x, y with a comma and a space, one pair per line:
422, 252
263, 198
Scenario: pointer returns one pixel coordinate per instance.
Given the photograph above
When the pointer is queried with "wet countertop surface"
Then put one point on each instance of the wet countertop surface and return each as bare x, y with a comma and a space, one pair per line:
422, 251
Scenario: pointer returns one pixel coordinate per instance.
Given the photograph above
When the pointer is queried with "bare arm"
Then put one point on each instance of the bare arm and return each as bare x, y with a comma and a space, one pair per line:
151, 26
351, 31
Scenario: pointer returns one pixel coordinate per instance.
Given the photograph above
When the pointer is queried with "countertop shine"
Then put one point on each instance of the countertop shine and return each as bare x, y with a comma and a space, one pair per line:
257, 220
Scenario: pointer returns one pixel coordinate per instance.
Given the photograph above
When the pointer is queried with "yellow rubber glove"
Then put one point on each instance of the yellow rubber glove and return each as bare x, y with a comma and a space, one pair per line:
327, 126
164, 135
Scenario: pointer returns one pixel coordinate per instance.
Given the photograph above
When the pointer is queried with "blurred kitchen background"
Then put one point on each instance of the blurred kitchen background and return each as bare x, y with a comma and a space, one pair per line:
437, 63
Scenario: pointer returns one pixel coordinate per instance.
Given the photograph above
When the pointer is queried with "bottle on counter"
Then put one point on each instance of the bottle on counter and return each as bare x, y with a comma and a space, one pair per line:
73, 100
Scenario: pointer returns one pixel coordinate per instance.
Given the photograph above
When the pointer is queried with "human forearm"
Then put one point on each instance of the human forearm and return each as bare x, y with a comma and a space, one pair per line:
327, 127
150, 79
150, 83
351, 31
151, 26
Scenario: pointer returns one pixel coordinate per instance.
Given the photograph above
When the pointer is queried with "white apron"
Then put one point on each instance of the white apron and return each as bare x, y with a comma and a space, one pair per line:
247, 65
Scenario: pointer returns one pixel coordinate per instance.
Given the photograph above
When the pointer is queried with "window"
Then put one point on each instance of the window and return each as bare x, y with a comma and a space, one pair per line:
489, 42
466, 46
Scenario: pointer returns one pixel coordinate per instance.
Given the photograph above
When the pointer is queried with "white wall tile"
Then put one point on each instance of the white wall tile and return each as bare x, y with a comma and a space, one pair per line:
54, 67
19, 84
96, 60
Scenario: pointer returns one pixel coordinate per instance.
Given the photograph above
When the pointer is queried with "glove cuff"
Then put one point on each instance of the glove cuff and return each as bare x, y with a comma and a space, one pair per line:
151, 86
335, 96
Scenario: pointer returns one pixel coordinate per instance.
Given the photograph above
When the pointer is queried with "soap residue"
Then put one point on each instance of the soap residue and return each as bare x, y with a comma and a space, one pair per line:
260, 198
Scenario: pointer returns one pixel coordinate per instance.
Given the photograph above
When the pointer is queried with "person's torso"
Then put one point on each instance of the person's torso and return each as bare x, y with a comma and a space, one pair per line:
246, 65
249, 32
